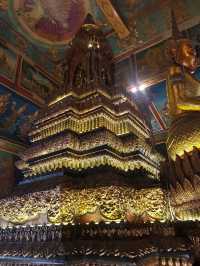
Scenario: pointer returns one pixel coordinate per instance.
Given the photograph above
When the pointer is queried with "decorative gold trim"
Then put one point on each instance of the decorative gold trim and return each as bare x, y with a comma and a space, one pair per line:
93, 140
87, 94
83, 162
118, 125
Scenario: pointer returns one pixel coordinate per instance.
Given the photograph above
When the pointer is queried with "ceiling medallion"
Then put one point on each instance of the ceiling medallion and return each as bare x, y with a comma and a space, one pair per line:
49, 21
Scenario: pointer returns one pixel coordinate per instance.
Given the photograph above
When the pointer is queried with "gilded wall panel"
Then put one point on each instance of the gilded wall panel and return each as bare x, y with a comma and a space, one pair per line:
68, 205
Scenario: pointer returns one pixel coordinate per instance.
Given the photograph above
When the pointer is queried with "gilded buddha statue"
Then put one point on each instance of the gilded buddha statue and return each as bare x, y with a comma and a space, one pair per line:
183, 91
180, 173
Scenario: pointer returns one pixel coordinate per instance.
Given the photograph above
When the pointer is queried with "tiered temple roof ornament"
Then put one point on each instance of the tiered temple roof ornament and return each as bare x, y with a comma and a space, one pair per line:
92, 124
95, 136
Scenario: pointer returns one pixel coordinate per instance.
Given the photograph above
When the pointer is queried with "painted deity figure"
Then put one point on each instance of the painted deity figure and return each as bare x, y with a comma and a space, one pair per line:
183, 91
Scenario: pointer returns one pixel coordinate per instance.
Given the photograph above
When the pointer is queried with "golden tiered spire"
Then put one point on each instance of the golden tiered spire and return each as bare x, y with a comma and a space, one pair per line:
93, 126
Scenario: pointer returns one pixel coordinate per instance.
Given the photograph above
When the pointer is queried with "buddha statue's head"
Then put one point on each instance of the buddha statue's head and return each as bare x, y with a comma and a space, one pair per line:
184, 54
181, 48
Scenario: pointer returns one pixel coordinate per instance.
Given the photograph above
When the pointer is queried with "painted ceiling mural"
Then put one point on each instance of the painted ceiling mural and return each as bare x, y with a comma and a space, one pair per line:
16, 115
49, 25
148, 21
8, 63
34, 37
49, 21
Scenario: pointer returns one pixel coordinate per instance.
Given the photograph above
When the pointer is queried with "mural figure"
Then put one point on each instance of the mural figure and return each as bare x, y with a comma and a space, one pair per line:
25, 127
49, 20
4, 99
36, 82
58, 62
7, 62
9, 111
14, 113
152, 61
3, 5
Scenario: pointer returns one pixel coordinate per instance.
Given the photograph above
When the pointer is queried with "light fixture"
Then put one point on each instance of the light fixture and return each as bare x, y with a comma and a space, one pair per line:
141, 87
133, 89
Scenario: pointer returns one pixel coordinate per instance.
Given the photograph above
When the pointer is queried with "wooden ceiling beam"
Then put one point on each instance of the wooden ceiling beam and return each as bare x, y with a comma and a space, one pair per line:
113, 18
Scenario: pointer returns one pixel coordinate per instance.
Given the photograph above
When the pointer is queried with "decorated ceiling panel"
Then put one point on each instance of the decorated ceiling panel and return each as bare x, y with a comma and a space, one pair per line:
130, 25
22, 76
8, 63
35, 35
48, 21
16, 114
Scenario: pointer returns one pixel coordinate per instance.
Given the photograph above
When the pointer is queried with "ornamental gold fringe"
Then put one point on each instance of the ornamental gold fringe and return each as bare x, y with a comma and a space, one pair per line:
119, 126
89, 141
82, 163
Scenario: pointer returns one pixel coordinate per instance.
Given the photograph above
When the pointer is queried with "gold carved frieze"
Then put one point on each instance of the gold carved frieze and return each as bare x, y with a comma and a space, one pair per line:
70, 205
117, 125
88, 161
89, 141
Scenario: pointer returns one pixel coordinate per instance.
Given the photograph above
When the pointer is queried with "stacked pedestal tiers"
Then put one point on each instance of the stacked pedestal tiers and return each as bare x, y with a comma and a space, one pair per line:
91, 124
94, 134
85, 132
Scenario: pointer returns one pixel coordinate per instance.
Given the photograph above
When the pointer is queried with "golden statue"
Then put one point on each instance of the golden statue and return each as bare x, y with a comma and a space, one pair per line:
183, 91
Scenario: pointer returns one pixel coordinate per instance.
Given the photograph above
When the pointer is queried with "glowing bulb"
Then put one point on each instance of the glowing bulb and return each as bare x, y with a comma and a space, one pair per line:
133, 89
90, 45
142, 87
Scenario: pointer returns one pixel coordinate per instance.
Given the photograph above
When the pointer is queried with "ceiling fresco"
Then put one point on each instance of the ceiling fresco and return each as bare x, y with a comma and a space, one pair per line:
24, 77
35, 34
49, 25
49, 21
149, 22
16, 114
